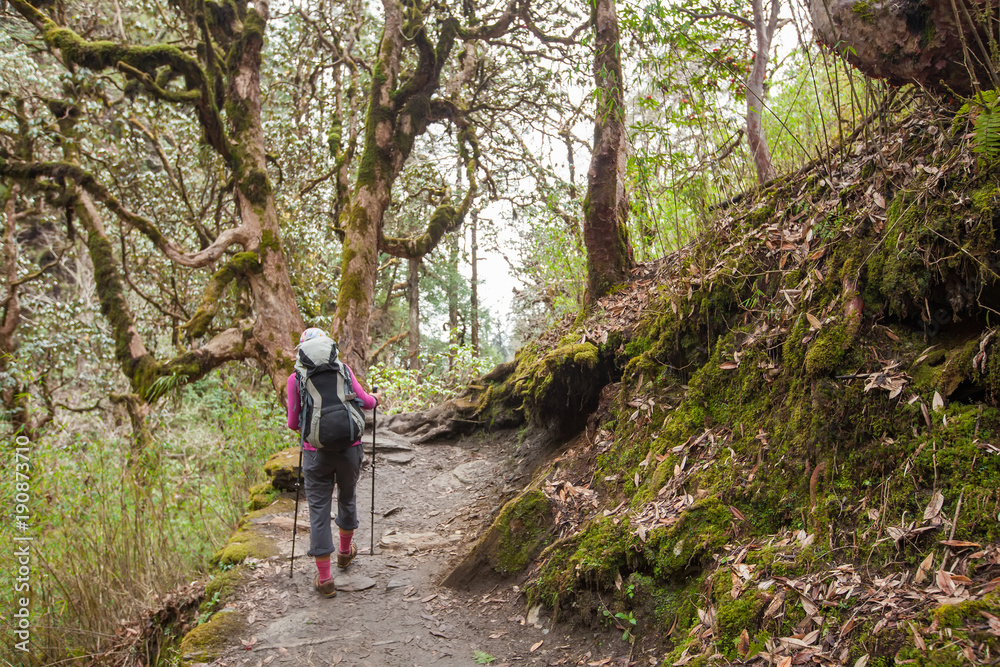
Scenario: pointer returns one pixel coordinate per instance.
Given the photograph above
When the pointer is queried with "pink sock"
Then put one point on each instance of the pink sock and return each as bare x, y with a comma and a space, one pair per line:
345, 541
323, 565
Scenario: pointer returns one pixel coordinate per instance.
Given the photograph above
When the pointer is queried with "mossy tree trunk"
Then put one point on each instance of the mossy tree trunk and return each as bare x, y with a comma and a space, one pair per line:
609, 253
413, 296
224, 76
401, 107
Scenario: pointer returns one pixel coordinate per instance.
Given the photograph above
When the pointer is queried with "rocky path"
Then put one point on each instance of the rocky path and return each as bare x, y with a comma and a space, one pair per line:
431, 503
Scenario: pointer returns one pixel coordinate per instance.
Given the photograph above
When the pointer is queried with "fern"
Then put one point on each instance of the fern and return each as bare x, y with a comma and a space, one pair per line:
984, 111
163, 386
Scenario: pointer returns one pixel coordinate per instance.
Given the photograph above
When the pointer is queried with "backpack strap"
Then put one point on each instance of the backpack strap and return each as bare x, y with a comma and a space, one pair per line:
345, 392
300, 382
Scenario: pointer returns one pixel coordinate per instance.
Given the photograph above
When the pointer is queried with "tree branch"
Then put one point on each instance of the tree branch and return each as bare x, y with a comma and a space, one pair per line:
445, 217
717, 14
492, 30
392, 341
227, 345
240, 264
56, 170
41, 271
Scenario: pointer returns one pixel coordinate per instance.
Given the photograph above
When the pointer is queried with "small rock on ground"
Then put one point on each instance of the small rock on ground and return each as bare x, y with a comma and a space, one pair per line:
401, 458
352, 583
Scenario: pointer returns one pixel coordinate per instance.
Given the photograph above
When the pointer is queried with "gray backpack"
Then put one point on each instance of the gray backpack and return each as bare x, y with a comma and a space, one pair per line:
330, 416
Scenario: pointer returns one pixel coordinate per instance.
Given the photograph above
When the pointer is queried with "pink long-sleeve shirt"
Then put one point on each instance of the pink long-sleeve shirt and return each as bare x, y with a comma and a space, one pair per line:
292, 387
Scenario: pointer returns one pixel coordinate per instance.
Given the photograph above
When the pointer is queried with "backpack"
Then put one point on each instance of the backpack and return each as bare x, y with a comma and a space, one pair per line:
329, 414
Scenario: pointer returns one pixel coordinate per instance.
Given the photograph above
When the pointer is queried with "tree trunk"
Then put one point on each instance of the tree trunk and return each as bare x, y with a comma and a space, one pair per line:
453, 339
371, 197
413, 291
279, 322
15, 397
400, 109
609, 253
474, 286
764, 28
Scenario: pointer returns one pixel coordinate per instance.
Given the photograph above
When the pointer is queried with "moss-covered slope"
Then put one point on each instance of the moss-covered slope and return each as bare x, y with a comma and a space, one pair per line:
801, 459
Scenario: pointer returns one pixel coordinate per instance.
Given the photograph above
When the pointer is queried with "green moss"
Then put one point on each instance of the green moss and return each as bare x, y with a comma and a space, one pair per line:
245, 543
256, 186
863, 9
735, 616
524, 529
595, 557
206, 642
828, 350
689, 544
220, 588
957, 615
269, 241
241, 263
262, 495
283, 468
552, 388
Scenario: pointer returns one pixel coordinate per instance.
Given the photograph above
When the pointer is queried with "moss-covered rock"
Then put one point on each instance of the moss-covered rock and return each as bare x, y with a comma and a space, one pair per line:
262, 495
283, 469
221, 587
206, 642
245, 543
518, 534
523, 527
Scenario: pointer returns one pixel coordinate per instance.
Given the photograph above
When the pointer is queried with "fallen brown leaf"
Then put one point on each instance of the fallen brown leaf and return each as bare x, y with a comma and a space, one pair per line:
743, 643
945, 583
923, 570
934, 506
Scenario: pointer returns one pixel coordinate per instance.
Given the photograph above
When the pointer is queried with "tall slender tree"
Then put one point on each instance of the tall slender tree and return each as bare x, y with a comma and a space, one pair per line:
609, 253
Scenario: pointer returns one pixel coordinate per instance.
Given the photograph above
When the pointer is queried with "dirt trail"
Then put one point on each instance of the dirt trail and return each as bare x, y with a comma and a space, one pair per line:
431, 503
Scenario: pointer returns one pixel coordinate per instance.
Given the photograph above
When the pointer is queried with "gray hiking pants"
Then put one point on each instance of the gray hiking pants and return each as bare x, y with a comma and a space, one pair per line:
323, 469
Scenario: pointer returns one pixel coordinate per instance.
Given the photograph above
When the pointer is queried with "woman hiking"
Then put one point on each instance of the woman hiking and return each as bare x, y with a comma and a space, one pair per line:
323, 414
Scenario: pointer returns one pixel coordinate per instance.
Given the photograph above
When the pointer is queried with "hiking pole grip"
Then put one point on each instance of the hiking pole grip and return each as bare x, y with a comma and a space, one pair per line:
371, 548
295, 521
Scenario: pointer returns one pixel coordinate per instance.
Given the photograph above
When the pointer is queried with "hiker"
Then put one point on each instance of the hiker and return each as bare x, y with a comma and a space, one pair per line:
339, 464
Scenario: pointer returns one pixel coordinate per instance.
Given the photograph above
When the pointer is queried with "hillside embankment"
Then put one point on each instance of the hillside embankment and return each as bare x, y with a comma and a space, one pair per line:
789, 432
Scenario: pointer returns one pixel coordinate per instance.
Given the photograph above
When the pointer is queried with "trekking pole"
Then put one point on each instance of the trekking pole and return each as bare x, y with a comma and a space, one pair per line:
371, 549
295, 521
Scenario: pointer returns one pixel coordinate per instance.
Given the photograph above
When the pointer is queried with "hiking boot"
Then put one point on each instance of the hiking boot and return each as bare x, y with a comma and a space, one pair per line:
343, 560
327, 589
